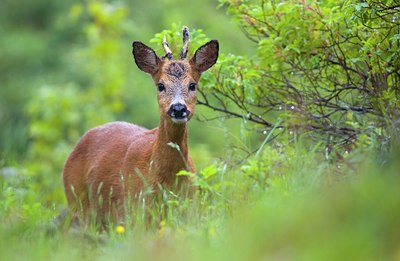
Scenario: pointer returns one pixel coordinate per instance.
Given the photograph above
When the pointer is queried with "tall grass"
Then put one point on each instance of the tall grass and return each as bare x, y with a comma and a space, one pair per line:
285, 203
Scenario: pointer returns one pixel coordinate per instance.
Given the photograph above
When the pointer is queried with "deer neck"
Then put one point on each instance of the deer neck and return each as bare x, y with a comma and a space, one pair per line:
170, 150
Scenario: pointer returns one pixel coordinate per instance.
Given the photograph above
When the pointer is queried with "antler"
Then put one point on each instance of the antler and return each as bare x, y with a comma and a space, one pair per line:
185, 39
168, 52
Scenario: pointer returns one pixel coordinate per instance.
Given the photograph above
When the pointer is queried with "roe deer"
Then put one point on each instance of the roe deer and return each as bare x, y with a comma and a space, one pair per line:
114, 161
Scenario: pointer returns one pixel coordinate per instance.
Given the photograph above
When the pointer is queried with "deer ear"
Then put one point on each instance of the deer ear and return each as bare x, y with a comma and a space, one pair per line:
206, 56
145, 58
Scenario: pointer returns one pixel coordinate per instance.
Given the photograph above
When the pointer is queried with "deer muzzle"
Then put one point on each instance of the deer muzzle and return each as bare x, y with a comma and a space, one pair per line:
179, 113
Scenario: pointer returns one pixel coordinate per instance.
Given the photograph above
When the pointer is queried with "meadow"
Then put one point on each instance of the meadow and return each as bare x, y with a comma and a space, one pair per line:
303, 210
296, 135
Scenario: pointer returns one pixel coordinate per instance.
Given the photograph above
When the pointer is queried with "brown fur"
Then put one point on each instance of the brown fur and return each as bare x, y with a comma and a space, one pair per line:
115, 161
177, 69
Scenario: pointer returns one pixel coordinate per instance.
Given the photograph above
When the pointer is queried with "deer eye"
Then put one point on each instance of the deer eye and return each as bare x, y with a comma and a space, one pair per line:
161, 87
192, 87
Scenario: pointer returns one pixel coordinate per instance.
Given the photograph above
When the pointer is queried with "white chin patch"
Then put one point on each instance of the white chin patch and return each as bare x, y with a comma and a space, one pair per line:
179, 121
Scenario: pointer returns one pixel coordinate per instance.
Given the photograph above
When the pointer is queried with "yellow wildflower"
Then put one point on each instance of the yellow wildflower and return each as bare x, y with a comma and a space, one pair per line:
120, 229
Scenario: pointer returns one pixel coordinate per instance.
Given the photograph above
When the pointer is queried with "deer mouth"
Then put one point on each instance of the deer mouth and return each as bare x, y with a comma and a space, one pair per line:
180, 118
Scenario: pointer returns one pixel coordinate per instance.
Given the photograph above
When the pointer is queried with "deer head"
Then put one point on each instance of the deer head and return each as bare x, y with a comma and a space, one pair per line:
176, 80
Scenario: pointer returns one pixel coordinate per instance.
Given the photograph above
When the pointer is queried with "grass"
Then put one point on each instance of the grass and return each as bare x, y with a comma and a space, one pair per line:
286, 203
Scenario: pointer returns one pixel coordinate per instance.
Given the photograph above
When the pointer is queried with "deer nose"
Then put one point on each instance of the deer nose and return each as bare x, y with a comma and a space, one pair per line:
178, 111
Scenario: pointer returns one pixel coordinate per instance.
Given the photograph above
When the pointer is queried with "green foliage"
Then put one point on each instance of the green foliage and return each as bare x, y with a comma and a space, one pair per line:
61, 114
329, 69
342, 222
31, 43
305, 210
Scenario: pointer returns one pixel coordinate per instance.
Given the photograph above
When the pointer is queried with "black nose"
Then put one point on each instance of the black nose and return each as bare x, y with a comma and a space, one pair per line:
178, 111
